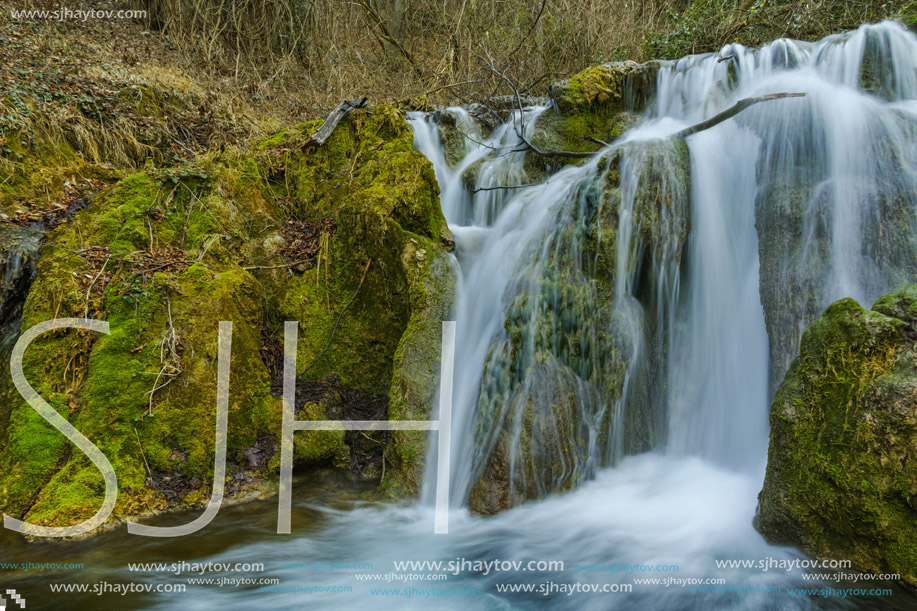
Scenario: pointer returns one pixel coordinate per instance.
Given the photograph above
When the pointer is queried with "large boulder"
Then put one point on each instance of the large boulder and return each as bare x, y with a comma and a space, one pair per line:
842, 466
347, 239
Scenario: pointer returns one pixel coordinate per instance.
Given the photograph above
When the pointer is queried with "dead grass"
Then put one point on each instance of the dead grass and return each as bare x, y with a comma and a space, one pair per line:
199, 75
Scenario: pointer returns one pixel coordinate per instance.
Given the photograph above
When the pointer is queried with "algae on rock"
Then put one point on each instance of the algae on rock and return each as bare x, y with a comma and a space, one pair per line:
565, 389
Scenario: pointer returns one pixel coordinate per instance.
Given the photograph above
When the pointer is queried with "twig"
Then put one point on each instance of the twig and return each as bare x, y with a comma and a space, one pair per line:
733, 111
550, 153
148, 470
91, 284
340, 314
531, 29
153, 269
170, 340
506, 187
282, 265
429, 91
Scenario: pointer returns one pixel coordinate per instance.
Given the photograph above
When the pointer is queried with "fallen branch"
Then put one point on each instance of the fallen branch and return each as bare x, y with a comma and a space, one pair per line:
689, 131
148, 471
91, 284
341, 111
279, 266
733, 111
532, 184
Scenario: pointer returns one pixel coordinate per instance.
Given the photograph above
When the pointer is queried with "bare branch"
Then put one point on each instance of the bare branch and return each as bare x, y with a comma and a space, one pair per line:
733, 111
503, 187
550, 153
341, 111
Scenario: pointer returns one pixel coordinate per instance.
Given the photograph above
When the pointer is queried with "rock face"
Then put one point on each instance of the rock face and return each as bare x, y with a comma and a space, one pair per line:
795, 211
348, 239
842, 466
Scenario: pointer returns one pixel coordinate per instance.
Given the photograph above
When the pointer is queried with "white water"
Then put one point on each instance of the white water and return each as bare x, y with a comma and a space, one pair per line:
691, 501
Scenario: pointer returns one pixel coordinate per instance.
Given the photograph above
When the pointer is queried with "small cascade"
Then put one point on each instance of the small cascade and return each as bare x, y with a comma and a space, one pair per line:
556, 354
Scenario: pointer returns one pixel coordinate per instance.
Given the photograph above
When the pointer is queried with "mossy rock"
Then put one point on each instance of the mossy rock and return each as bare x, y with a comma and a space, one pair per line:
841, 478
164, 255
606, 88
598, 103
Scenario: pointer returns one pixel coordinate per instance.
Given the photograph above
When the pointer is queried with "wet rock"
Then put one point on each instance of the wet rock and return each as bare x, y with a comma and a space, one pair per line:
800, 196
19, 251
842, 464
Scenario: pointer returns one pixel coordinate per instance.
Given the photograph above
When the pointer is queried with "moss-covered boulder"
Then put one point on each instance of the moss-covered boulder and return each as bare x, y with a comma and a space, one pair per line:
842, 466
609, 88
347, 239
599, 102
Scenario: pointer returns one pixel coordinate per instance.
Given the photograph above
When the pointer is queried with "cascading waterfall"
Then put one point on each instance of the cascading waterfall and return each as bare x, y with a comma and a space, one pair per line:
558, 374
834, 194
541, 315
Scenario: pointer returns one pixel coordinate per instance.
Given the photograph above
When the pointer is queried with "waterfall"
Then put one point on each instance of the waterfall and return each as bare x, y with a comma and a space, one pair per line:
542, 314
835, 189
619, 306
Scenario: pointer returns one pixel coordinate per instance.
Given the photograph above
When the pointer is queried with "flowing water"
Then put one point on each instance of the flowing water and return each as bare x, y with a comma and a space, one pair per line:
621, 328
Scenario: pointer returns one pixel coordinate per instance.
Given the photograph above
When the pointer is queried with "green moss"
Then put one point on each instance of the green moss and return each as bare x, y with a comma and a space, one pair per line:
178, 242
557, 374
315, 448
149, 102
281, 137
841, 482
431, 289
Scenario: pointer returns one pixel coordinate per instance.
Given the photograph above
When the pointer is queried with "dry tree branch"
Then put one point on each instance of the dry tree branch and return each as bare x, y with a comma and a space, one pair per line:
732, 111
335, 117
